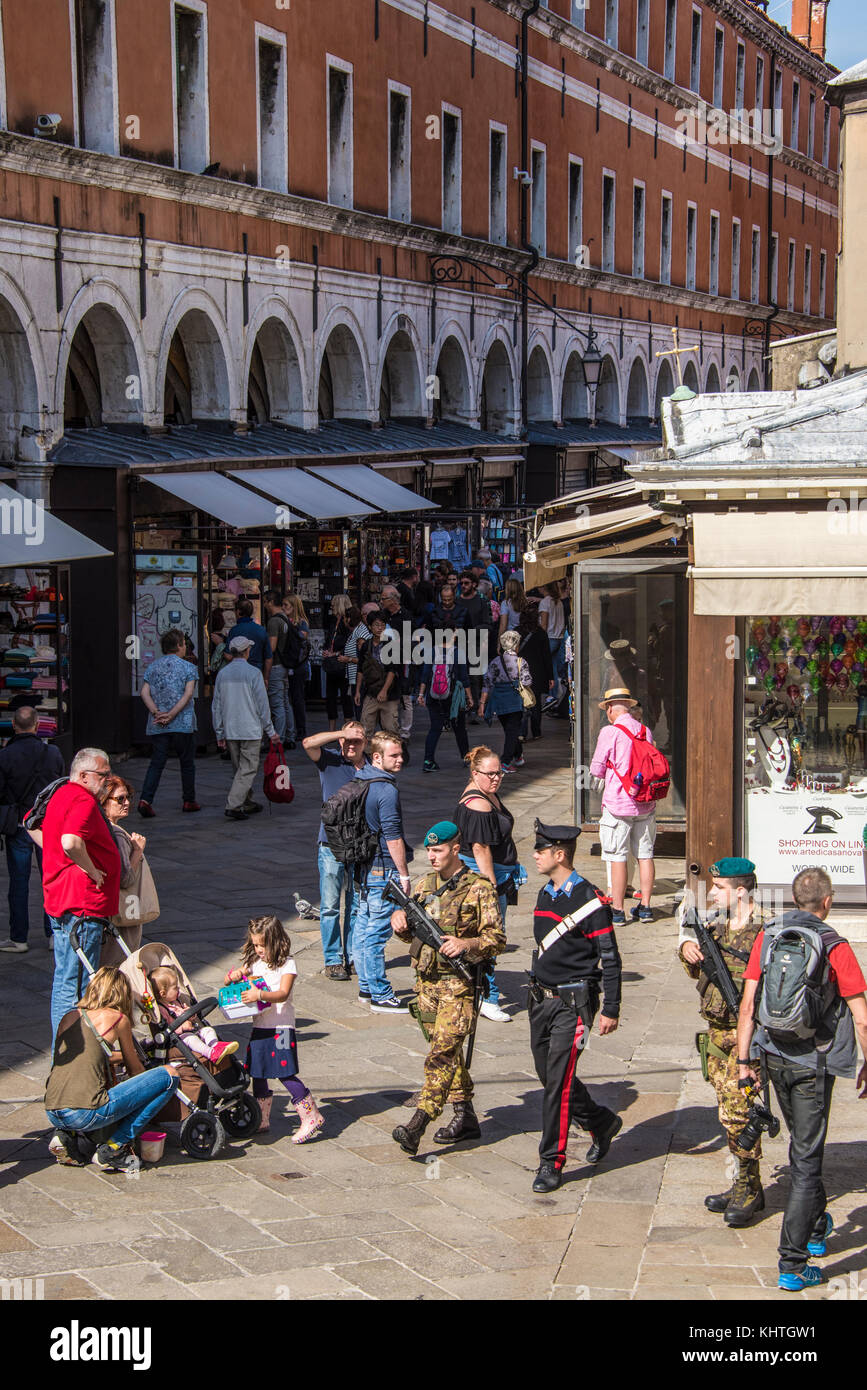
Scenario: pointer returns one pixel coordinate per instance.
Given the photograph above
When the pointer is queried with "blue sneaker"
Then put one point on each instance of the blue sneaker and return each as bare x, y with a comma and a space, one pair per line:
640, 913
817, 1245
794, 1281
618, 918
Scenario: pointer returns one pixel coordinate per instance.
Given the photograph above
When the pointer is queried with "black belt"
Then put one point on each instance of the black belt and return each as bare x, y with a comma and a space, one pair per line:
575, 990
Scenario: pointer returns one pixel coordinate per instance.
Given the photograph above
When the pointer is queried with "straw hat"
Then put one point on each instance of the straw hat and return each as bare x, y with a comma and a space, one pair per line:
619, 648
618, 695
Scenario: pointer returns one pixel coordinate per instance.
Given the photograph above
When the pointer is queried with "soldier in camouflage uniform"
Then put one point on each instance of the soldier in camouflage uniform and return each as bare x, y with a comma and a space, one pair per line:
465, 907
739, 922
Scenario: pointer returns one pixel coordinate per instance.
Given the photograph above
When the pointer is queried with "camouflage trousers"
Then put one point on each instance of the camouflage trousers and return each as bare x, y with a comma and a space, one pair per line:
443, 1010
723, 1076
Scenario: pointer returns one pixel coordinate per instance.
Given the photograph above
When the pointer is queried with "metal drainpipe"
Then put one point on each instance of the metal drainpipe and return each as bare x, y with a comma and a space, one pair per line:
525, 194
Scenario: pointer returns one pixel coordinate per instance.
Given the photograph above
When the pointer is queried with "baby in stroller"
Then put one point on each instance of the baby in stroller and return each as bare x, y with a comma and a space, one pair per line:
166, 984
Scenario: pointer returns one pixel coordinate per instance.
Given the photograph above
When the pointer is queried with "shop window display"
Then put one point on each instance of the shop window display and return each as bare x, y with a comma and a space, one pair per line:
805, 742
34, 648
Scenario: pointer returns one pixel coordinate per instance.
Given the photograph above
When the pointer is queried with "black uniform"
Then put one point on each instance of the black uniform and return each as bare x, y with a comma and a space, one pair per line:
568, 972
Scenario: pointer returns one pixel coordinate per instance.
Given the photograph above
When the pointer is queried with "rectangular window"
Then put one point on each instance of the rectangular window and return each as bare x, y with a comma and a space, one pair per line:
670, 39
811, 128
638, 231
756, 265
695, 53
539, 201
719, 41
611, 23
271, 84
795, 130
713, 283
736, 259
691, 214
665, 241
808, 280
790, 279
451, 137
579, 8
760, 83
608, 214
778, 103
340, 138
192, 142
642, 32
740, 76
577, 252
498, 206
823, 281
399, 177
774, 273
96, 75
826, 136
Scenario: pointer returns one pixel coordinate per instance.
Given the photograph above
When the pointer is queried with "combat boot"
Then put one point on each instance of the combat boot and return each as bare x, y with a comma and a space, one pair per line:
747, 1195
463, 1125
718, 1201
409, 1135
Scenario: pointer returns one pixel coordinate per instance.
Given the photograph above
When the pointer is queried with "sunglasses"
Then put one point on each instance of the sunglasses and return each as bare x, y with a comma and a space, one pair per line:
119, 799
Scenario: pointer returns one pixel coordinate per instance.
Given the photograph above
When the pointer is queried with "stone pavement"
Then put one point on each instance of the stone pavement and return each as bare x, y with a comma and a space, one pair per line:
350, 1215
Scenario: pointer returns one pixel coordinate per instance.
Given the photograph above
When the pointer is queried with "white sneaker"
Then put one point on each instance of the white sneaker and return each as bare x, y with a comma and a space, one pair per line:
494, 1013
10, 946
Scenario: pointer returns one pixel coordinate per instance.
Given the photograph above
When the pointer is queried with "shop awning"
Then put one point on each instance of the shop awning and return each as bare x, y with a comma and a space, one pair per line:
365, 482
303, 493
500, 466
221, 498
767, 562
585, 536
30, 535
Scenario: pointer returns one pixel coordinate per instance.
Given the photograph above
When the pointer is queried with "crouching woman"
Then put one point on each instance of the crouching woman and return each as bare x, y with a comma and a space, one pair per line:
80, 1096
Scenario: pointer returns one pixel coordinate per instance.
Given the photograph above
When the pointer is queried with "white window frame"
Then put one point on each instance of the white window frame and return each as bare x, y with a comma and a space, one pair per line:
695, 51
714, 253
447, 110
575, 161
666, 199
399, 89
756, 264
777, 103
669, 58
826, 136
541, 243
740, 76
612, 23
808, 281
609, 263
823, 282
202, 9
719, 70
791, 270
736, 241
795, 117
264, 34
760, 83
775, 268
642, 32
579, 14
691, 263
499, 129
811, 127
639, 264
341, 65
113, 146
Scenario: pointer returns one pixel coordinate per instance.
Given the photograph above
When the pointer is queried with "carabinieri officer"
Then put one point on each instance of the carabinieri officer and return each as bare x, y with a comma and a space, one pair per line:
574, 937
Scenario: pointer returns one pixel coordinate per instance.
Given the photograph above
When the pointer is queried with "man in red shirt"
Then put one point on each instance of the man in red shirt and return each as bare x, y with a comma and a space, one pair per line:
802, 1076
80, 875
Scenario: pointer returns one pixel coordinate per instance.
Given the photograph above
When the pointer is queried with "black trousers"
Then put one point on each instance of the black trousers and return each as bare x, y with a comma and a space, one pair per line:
296, 684
512, 747
805, 1109
438, 711
558, 1033
337, 689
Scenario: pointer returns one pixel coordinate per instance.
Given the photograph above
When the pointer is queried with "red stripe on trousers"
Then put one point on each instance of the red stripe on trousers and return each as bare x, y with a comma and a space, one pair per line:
565, 1094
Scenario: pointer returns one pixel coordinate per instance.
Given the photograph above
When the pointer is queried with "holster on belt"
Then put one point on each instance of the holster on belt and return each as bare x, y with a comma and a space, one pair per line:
707, 1048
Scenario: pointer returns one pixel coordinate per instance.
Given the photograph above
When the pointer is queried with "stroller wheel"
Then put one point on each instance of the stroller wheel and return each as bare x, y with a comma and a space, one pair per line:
242, 1117
202, 1135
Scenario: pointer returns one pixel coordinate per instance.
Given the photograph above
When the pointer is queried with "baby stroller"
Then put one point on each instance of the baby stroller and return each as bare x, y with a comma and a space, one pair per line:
213, 1098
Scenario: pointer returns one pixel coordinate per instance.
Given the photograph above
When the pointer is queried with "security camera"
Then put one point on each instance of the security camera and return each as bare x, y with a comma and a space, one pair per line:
522, 176
47, 123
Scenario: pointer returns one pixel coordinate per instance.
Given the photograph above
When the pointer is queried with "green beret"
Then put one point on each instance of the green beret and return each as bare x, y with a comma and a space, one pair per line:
441, 833
732, 868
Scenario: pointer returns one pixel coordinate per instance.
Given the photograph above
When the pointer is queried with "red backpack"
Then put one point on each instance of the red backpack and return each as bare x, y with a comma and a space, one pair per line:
649, 775
276, 784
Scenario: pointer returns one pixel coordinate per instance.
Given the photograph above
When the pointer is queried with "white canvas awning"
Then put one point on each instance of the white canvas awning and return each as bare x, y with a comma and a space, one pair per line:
303, 493
367, 483
774, 562
220, 497
30, 535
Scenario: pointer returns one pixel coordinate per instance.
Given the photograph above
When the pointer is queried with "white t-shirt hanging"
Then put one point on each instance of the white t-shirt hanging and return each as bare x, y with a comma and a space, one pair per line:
556, 619
276, 1015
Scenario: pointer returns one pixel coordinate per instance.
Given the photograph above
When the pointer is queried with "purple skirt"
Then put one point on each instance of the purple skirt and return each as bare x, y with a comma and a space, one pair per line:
272, 1053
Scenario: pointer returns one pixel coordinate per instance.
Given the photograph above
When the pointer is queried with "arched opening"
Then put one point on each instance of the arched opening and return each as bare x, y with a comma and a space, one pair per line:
690, 377
574, 405
197, 379
451, 400
664, 386
399, 391
498, 392
19, 394
608, 394
82, 400
754, 384
712, 385
733, 380
103, 383
274, 390
540, 395
341, 390
637, 403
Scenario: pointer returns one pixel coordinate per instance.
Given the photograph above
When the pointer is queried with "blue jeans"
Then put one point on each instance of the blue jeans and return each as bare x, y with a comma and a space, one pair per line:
161, 745
371, 931
134, 1103
502, 875
19, 857
438, 712
70, 978
334, 881
278, 699
558, 654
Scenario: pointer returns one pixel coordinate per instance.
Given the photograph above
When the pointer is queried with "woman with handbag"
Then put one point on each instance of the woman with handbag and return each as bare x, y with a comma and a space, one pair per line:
334, 663
506, 693
445, 689
138, 895
536, 651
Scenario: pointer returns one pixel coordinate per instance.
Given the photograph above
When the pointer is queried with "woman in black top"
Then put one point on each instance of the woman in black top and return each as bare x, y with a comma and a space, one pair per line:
336, 678
487, 847
535, 648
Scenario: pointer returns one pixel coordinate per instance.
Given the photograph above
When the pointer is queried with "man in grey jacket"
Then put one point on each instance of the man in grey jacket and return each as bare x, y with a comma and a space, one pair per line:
241, 715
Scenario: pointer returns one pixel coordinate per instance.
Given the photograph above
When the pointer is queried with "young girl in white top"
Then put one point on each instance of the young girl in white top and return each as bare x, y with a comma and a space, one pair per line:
272, 1053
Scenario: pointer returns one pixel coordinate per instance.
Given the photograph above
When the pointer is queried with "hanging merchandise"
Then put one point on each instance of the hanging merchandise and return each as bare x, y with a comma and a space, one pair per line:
439, 544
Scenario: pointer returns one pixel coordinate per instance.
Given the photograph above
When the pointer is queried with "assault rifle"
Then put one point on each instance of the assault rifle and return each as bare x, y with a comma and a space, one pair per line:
422, 925
713, 965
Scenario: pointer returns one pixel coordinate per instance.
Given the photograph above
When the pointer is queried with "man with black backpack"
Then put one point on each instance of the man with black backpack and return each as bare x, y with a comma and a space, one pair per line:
26, 766
277, 628
804, 999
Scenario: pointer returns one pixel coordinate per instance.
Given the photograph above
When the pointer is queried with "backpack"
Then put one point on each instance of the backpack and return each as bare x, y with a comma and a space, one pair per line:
350, 838
649, 775
439, 686
218, 658
36, 815
276, 783
295, 647
797, 992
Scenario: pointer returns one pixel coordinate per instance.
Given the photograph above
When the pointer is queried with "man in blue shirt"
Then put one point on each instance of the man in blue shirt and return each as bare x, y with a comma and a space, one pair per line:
335, 770
261, 655
373, 919
168, 692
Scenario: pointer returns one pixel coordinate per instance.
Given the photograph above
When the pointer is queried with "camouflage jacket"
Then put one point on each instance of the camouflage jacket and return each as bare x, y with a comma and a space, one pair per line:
469, 909
713, 1006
